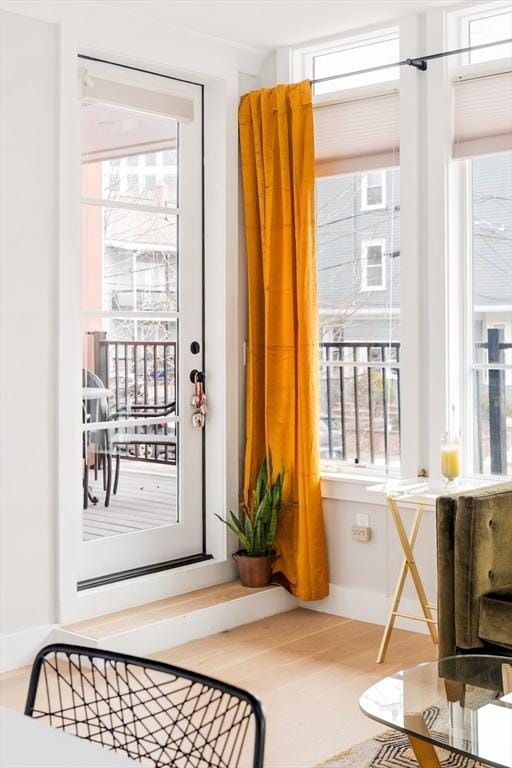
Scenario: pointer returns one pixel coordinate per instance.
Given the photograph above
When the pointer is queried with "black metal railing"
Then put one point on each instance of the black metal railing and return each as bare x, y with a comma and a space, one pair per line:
493, 421
140, 374
360, 401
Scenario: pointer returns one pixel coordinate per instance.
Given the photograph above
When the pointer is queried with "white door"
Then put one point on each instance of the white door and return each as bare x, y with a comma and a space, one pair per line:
142, 316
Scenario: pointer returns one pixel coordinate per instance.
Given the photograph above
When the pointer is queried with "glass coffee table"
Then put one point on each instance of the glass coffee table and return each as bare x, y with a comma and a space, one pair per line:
462, 704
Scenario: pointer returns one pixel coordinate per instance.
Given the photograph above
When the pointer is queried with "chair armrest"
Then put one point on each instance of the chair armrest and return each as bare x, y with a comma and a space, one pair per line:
144, 409
483, 543
446, 508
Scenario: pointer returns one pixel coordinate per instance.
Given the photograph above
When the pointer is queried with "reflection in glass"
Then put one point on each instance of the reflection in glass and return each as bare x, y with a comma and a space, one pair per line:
457, 703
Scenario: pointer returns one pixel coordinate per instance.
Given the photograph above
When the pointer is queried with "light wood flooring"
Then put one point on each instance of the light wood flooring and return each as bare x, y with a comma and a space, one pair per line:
308, 669
145, 499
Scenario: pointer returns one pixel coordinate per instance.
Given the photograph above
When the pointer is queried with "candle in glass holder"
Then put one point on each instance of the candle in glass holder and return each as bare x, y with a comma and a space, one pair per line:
450, 456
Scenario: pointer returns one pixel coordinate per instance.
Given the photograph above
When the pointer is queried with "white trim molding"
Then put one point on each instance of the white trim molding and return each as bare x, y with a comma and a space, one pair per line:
18, 649
366, 605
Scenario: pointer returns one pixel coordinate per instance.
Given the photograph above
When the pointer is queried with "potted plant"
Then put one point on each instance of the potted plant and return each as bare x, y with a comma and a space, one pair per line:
257, 531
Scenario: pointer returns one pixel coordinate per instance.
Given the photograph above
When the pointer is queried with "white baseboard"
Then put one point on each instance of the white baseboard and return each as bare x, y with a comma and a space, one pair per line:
365, 605
19, 649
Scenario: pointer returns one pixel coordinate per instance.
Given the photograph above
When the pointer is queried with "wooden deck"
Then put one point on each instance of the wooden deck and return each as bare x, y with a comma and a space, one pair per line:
146, 499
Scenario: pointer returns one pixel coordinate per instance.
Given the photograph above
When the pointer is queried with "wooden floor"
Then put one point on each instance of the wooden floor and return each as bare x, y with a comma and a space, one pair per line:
308, 669
145, 499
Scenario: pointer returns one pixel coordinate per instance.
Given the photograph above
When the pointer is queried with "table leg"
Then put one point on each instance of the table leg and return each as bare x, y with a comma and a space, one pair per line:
506, 671
411, 564
398, 589
455, 691
424, 751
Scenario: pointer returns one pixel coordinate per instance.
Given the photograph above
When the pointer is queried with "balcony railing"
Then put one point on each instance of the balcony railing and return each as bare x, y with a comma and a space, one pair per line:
360, 402
139, 373
493, 414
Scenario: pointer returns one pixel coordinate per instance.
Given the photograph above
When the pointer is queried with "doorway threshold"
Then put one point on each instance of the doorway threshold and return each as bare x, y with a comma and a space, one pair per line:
145, 570
176, 620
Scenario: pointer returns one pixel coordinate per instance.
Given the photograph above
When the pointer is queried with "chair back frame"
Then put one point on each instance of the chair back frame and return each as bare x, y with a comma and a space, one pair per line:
92, 654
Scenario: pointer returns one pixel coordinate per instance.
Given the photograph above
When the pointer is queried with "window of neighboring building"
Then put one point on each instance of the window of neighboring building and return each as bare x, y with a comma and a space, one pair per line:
373, 277
373, 191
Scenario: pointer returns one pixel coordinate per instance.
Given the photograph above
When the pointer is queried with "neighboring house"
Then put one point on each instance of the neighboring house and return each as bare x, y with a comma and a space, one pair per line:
140, 248
359, 256
359, 253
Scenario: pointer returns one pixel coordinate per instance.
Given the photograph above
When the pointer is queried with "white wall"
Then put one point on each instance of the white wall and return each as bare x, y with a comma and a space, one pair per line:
363, 575
39, 139
28, 322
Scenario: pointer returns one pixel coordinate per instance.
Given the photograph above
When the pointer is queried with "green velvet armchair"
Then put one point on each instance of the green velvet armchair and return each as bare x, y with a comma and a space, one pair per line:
474, 570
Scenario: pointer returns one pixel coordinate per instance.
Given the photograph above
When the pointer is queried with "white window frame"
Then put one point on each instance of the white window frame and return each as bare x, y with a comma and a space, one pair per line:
296, 66
459, 32
303, 56
431, 272
365, 246
365, 205
466, 393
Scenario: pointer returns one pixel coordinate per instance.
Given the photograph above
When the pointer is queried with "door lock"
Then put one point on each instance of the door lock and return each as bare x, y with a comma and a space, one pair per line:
197, 376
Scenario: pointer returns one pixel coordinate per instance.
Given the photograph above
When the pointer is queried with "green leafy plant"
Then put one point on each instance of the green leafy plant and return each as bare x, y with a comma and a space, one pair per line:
258, 529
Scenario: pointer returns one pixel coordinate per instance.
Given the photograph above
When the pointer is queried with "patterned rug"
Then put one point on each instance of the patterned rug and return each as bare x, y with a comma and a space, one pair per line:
391, 750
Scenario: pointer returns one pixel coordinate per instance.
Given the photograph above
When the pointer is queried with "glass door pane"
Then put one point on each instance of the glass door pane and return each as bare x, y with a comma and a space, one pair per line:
142, 308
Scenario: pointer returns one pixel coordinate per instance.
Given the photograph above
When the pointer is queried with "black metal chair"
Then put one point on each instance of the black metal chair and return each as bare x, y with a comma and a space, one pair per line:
154, 438
101, 440
159, 714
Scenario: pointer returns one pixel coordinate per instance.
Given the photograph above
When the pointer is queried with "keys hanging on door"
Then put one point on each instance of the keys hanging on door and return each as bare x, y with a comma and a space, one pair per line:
198, 402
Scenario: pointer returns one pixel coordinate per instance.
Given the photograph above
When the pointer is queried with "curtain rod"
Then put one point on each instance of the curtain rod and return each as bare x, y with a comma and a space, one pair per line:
420, 62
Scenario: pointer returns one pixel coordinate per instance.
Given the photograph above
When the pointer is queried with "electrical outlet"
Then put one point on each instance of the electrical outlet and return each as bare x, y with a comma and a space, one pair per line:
363, 520
361, 533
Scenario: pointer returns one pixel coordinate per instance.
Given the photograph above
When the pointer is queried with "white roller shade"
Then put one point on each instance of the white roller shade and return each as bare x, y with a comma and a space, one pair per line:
483, 115
98, 90
119, 120
110, 132
357, 135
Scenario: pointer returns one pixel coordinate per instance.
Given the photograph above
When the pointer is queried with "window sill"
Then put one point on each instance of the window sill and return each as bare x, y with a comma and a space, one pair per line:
352, 486
365, 477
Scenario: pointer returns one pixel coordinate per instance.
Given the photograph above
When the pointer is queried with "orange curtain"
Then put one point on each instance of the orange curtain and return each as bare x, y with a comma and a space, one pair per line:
277, 153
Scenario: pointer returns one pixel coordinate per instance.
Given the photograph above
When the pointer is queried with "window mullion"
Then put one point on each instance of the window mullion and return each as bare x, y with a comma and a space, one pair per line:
413, 163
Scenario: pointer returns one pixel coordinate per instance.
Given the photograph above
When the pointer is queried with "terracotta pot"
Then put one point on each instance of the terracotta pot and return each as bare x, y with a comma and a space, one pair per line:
254, 571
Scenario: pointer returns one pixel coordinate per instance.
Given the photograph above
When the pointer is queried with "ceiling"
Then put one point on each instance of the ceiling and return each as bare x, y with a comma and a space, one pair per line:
268, 24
